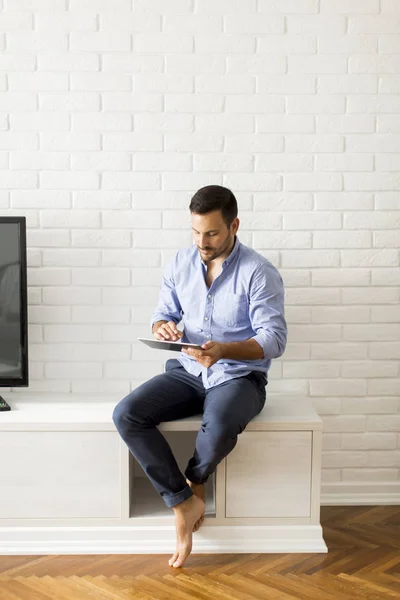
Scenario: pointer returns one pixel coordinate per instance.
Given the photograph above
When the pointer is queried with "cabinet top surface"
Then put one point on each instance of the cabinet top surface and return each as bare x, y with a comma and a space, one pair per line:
82, 412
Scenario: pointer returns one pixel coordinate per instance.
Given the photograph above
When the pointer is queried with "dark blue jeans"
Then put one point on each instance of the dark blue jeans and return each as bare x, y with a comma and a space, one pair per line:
226, 408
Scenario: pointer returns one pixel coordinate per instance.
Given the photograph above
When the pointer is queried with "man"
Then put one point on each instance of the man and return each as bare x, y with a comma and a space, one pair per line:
230, 300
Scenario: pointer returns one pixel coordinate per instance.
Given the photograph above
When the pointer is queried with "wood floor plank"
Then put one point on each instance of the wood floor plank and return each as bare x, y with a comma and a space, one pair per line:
363, 563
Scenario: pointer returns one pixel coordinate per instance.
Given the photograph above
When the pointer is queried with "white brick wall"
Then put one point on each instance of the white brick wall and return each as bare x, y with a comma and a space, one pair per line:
111, 119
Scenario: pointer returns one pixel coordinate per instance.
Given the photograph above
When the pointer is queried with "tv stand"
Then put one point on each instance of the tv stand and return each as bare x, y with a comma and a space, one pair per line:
4, 405
69, 484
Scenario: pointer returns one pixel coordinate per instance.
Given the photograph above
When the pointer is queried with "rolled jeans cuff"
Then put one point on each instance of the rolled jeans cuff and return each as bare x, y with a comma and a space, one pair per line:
174, 499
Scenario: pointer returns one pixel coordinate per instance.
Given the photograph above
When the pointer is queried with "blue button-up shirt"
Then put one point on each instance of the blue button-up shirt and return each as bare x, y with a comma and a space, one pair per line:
246, 300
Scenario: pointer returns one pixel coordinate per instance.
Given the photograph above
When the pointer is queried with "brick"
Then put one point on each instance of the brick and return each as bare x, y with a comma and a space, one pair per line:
341, 387
162, 42
191, 23
71, 295
315, 104
386, 239
222, 162
344, 162
384, 387
283, 239
69, 141
40, 199
189, 181
316, 64
372, 220
369, 258
132, 219
343, 200
38, 82
286, 84
131, 22
340, 351
62, 180
297, 314
132, 103
69, 218
225, 84
312, 296
224, 123
71, 102
161, 161
368, 295
195, 64
35, 121
385, 277
379, 24
345, 124
255, 23
100, 82
348, 84
282, 201
342, 239
316, 181
100, 161
250, 182
348, 44
357, 6
194, 103
99, 41
39, 160
165, 123
312, 220
164, 83
314, 24
287, 44
312, 369
130, 181
102, 200
314, 143
132, 142
226, 6
254, 143
311, 258
340, 314
368, 441
36, 42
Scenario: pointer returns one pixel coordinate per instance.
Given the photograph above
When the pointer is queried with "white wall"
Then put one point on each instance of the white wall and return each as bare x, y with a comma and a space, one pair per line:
114, 112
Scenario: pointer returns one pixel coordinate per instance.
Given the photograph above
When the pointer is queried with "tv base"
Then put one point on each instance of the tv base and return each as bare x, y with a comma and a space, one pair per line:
4, 405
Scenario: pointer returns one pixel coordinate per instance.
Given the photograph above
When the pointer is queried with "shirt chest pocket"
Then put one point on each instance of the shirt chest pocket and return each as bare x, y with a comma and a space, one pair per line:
231, 310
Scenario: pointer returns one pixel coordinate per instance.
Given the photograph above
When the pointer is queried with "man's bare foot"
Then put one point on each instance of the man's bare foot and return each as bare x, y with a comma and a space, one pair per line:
198, 489
187, 513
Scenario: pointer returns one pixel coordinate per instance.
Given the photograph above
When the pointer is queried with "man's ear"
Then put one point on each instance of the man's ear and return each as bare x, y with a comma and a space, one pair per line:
235, 225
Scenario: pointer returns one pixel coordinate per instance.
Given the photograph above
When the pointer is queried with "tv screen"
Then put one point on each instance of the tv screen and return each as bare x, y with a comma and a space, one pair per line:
13, 303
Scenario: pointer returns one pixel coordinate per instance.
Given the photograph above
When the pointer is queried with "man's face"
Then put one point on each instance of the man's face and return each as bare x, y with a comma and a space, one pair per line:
212, 236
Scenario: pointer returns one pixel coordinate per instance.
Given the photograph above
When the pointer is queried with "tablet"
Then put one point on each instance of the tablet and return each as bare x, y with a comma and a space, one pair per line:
167, 345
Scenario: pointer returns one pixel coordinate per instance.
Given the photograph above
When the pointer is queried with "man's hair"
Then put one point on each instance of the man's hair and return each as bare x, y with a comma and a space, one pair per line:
215, 197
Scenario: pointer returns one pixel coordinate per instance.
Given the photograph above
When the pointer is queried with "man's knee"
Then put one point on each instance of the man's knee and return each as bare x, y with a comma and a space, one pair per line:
220, 430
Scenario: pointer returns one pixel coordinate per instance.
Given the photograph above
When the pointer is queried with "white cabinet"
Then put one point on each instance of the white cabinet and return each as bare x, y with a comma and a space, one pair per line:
69, 485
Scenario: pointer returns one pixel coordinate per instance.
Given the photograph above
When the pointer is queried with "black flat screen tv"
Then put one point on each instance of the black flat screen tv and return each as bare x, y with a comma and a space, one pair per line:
13, 304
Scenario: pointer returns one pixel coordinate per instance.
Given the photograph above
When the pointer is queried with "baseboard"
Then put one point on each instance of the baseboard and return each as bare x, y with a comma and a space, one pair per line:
342, 493
160, 540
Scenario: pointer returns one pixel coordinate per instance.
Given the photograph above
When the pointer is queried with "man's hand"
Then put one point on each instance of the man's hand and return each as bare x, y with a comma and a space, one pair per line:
208, 356
167, 330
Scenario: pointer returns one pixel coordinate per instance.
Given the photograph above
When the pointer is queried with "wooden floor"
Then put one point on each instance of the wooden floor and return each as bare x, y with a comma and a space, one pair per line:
363, 562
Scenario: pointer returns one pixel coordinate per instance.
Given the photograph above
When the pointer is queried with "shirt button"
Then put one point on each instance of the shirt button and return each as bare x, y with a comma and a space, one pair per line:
206, 318
209, 295
208, 336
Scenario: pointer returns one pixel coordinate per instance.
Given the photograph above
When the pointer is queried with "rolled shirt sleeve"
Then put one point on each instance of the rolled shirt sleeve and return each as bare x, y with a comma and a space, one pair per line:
267, 313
